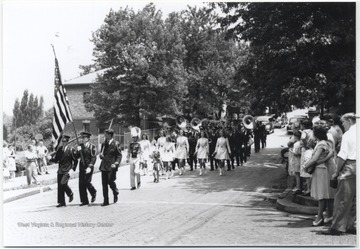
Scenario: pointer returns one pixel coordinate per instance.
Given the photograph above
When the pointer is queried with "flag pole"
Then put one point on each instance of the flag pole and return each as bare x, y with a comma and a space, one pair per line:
76, 136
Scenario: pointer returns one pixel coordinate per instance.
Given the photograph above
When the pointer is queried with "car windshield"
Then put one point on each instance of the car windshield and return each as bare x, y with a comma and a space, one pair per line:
263, 119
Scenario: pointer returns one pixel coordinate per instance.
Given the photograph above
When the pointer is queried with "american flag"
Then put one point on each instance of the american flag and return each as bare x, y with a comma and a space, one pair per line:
62, 114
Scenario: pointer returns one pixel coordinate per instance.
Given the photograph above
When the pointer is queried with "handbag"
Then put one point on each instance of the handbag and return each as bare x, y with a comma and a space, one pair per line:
334, 183
310, 169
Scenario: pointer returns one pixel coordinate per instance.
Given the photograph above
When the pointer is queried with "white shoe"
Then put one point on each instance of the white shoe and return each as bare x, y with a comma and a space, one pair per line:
221, 173
327, 220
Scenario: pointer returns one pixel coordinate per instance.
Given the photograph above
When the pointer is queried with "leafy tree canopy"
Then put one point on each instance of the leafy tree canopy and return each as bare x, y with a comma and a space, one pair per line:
302, 53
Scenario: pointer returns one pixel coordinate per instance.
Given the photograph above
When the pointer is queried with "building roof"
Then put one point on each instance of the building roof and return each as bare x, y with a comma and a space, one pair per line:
85, 79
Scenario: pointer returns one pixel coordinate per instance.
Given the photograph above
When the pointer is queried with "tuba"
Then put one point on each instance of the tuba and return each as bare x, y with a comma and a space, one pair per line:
181, 122
248, 122
195, 124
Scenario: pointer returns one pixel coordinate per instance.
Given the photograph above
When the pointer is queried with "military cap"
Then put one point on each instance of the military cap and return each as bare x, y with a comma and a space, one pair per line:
85, 134
110, 132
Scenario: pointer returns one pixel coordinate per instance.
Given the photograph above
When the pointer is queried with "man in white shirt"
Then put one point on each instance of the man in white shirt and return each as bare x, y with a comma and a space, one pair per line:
345, 203
42, 152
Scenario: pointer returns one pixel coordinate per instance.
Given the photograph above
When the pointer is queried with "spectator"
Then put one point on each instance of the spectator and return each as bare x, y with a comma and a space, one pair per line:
6, 153
31, 158
320, 188
307, 145
345, 203
11, 162
294, 159
42, 152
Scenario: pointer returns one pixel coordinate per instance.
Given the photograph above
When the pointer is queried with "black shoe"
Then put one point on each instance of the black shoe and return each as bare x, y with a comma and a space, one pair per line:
331, 232
83, 204
105, 204
157, 181
139, 184
133, 188
61, 205
211, 169
93, 198
71, 197
116, 197
154, 179
47, 173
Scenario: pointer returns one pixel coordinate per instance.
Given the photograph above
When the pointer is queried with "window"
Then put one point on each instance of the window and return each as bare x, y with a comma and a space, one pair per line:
86, 125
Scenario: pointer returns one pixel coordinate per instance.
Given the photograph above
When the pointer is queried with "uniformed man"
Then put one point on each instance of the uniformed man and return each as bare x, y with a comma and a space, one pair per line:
67, 160
86, 170
134, 157
111, 158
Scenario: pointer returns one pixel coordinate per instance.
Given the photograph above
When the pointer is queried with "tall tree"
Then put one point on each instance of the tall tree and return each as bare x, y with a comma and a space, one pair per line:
41, 107
143, 57
31, 110
17, 114
210, 62
23, 117
303, 53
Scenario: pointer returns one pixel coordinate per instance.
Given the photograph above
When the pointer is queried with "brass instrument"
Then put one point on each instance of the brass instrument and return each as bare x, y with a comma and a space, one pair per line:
248, 122
195, 124
181, 122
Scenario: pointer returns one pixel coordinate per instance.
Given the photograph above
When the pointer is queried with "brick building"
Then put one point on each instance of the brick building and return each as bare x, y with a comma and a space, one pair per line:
76, 90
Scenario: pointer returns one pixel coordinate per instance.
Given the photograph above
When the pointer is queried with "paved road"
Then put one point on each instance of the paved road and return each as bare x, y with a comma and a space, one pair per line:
189, 210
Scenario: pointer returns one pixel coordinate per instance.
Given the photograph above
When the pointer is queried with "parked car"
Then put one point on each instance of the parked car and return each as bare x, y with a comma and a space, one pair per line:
278, 123
294, 123
268, 121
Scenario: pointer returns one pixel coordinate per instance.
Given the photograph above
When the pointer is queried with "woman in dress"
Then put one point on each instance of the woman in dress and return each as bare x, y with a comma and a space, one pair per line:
168, 156
222, 150
307, 143
202, 151
145, 148
182, 151
320, 188
160, 146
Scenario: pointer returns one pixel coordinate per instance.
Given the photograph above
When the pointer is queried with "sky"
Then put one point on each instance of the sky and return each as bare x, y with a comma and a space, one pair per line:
29, 28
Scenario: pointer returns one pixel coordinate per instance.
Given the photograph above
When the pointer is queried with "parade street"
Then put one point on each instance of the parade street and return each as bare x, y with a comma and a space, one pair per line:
237, 209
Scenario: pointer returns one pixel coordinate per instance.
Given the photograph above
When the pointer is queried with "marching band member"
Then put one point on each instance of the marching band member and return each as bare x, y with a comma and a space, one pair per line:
160, 146
192, 148
145, 148
222, 150
168, 156
182, 150
134, 157
202, 151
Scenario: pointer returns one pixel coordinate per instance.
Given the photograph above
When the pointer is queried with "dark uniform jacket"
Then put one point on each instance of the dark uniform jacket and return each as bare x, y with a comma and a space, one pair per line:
241, 139
192, 145
66, 159
110, 154
232, 142
89, 154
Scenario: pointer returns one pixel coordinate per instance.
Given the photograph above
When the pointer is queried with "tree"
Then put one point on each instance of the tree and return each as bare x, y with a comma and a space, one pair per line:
302, 53
143, 56
31, 111
16, 113
40, 108
5, 132
23, 117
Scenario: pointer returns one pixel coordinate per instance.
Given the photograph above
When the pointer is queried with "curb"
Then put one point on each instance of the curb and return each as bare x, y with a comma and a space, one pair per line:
47, 186
30, 193
287, 205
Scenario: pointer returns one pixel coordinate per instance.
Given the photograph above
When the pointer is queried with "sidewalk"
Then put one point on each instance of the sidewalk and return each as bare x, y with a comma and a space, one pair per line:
18, 188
